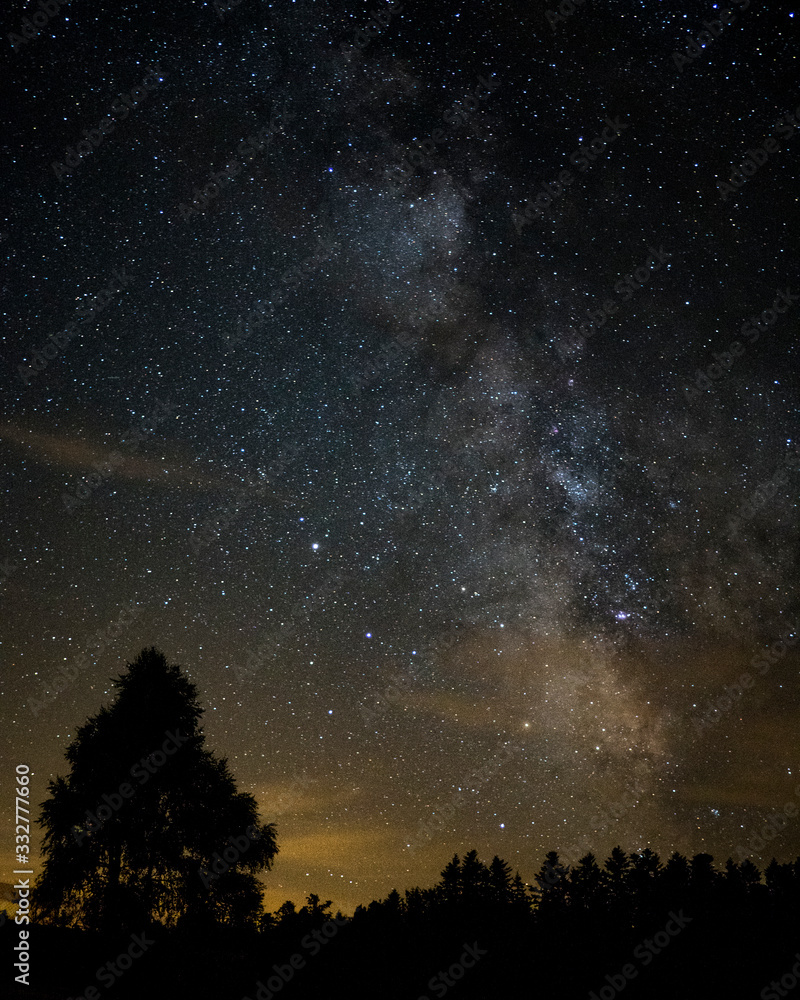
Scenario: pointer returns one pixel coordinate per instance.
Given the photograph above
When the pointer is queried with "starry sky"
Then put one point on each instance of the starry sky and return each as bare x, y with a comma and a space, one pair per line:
423, 380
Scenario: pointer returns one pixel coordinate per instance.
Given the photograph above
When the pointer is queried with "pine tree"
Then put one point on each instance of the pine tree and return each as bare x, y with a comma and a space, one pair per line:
450, 885
521, 895
585, 882
500, 881
474, 880
394, 903
553, 884
703, 877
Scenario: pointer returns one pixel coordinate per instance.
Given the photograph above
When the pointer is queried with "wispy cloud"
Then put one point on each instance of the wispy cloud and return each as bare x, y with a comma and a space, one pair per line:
156, 461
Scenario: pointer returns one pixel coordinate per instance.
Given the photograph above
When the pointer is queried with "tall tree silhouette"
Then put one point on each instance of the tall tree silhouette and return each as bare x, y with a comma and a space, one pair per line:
643, 879
149, 825
617, 872
474, 880
415, 903
450, 884
500, 881
521, 895
585, 882
551, 878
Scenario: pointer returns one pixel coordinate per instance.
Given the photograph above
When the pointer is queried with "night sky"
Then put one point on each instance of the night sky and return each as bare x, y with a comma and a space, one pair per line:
460, 532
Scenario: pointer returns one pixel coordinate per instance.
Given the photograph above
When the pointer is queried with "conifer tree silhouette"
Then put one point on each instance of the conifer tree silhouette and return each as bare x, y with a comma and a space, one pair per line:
148, 825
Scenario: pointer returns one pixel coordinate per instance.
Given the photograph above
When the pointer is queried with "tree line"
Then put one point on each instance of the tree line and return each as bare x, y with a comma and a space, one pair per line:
148, 833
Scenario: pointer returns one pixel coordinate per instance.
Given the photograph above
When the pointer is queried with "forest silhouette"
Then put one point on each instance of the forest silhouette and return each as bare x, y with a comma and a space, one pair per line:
149, 888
